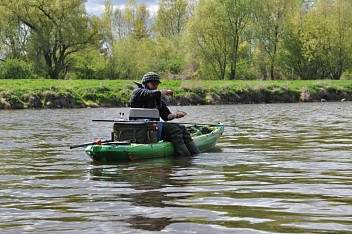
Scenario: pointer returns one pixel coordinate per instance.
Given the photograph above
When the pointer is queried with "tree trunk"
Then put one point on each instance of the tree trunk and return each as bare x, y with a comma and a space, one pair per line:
234, 58
272, 71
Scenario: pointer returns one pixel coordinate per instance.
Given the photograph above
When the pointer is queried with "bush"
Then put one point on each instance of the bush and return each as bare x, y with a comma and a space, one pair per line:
89, 72
15, 69
346, 76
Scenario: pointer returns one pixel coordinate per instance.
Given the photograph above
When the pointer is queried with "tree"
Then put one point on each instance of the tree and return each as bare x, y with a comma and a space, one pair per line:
125, 58
343, 30
124, 30
13, 36
271, 18
207, 40
171, 18
107, 28
237, 14
215, 33
90, 64
291, 54
326, 48
58, 28
137, 18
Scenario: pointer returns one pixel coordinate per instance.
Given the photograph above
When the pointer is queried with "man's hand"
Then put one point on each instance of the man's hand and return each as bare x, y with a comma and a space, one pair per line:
167, 92
180, 115
176, 115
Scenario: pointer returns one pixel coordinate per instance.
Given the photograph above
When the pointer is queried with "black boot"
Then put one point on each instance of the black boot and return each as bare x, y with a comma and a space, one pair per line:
182, 150
192, 148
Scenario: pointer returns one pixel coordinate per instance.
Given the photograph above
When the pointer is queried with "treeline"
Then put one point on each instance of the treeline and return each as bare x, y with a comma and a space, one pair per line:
194, 39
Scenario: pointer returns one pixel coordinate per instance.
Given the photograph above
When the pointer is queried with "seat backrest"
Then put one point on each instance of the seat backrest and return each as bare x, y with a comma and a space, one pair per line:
144, 113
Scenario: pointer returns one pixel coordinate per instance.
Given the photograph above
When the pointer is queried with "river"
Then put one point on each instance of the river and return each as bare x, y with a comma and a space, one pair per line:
278, 168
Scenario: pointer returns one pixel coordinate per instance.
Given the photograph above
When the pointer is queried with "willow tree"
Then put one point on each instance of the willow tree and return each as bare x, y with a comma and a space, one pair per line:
58, 29
13, 36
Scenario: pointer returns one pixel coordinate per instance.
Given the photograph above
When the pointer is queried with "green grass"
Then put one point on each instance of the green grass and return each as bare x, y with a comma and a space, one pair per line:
98, 92
177, 85
41, 84
243, 86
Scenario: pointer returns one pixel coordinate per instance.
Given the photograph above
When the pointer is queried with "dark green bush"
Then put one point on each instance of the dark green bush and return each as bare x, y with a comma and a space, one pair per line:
15, 69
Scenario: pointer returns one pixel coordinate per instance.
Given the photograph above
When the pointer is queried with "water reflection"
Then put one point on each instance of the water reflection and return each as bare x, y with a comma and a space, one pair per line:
145, 181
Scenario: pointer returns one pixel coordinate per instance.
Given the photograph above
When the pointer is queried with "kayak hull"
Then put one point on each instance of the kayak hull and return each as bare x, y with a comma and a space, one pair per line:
124, 152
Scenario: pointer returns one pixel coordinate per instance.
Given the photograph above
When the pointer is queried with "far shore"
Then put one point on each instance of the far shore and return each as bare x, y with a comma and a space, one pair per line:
42, 93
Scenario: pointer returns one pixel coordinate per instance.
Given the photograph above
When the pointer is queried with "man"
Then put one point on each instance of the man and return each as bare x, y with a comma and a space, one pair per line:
147, 95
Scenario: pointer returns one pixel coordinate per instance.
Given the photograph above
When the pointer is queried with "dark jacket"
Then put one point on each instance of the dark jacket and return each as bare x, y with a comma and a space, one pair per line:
145, 98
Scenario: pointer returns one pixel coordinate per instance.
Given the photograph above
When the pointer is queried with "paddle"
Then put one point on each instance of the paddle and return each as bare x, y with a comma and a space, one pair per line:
96, 142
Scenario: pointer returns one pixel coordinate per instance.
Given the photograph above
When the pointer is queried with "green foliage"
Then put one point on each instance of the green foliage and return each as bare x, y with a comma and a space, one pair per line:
172, 18
136, 17
132, 58
346, 76
15, 69
88, 64
86, 72
215, 34
202, 40
125, 59
272, 18
58, 29
205, 39
161, 54
39, 93
325, 48
245, 70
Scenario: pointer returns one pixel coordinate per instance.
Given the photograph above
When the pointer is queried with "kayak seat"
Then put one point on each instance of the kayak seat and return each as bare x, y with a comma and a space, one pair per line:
144, 114
147, 114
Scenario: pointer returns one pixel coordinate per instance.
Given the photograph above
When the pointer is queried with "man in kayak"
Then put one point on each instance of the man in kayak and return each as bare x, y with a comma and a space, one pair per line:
147, 95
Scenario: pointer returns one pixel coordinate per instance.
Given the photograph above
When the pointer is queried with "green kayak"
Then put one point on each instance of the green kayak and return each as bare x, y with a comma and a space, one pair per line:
205, 137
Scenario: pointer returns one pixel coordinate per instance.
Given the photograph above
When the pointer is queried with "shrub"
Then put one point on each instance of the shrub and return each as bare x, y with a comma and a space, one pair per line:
15, 69
346, 76
89, 72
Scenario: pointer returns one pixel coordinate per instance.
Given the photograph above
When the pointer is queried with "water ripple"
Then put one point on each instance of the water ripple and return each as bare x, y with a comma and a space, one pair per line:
283, 168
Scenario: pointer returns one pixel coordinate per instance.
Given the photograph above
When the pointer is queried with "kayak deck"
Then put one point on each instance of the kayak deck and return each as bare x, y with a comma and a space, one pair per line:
205, 137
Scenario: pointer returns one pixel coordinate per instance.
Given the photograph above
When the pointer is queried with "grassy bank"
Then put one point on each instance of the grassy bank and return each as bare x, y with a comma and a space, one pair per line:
40, 93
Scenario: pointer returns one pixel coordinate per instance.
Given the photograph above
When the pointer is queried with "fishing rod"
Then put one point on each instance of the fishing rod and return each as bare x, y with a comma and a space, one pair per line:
151, 121
97, 142
101, 142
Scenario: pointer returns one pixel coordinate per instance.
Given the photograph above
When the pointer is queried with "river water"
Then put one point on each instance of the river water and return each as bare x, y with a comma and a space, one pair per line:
279, 168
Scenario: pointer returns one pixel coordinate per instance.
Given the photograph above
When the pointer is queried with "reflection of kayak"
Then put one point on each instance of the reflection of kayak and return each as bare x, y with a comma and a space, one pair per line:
205, 138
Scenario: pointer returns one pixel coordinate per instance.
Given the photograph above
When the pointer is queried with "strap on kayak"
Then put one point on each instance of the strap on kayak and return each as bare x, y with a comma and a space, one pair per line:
160, 128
